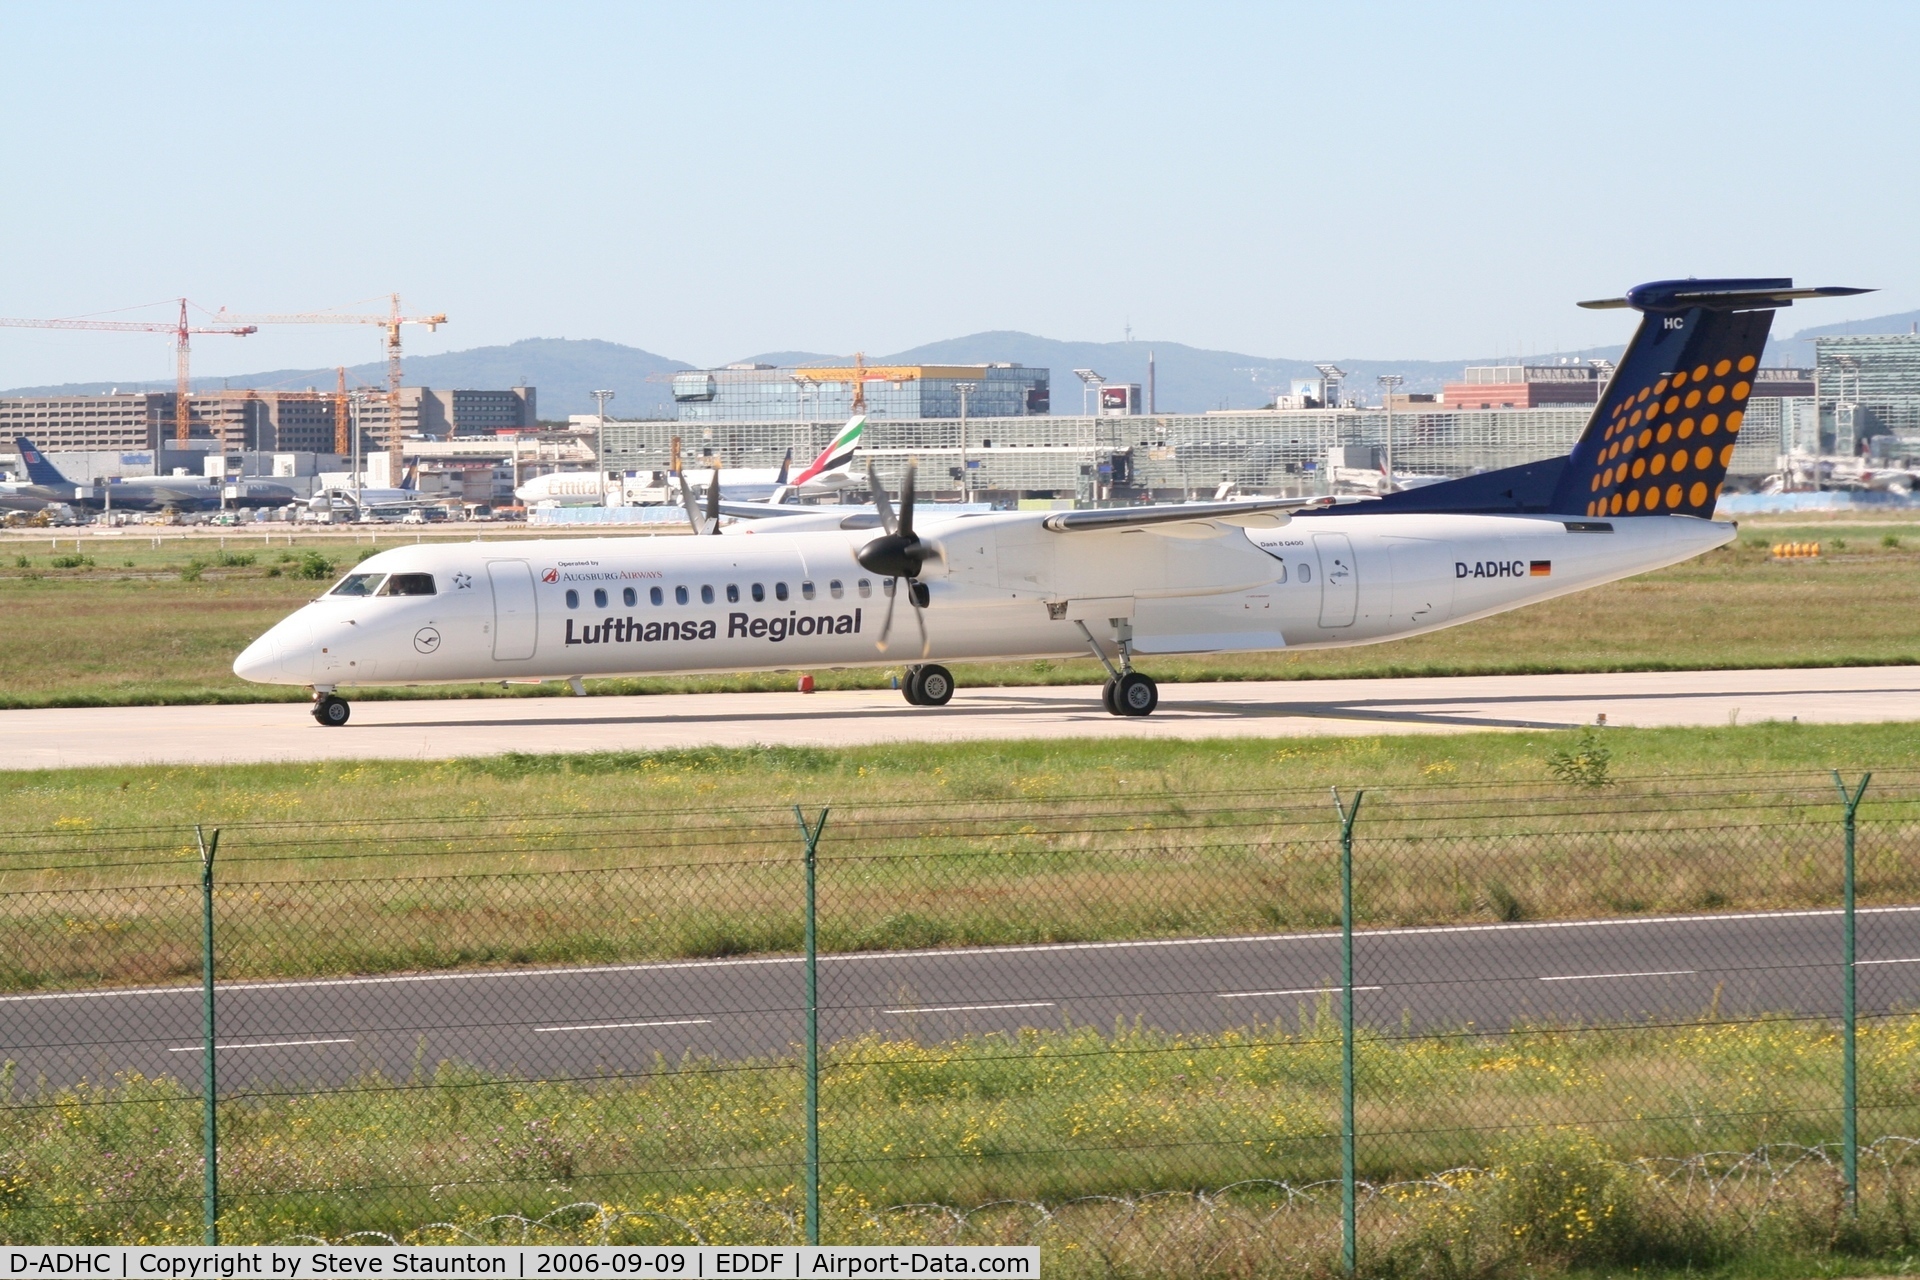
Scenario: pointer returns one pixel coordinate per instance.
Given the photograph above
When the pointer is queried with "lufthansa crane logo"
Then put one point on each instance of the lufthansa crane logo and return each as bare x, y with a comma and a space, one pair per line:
426, 640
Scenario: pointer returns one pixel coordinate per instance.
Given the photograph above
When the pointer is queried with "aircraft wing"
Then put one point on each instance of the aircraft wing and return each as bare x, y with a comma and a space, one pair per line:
1257, 513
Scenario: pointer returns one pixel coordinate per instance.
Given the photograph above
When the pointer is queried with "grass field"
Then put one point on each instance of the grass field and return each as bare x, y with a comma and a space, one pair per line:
1534, 1149
382, 866
121, 622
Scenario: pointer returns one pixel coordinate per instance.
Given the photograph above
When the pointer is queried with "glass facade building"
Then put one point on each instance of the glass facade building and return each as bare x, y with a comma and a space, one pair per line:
1869, 385
758, 393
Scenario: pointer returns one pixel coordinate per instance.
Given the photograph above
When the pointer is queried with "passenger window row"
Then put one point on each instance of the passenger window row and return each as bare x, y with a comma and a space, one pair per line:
630, 596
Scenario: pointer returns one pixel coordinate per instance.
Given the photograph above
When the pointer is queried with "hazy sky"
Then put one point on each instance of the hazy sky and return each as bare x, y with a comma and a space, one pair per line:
710, 180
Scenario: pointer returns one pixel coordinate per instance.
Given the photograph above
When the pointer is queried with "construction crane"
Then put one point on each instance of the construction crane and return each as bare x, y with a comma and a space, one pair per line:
391, 321
181, 330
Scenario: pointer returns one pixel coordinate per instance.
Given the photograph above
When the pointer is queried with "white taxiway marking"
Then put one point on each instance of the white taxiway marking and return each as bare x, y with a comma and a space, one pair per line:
259, 1044
870, 957
615, 1026
1595, 977
1902, 960
1290, 991
969, 1008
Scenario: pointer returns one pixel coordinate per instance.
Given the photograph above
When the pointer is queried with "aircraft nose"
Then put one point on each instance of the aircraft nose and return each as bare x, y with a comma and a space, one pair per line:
282, 656
259, 661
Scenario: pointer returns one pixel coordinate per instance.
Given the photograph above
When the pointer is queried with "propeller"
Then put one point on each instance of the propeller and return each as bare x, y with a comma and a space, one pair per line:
898, 553
710, 523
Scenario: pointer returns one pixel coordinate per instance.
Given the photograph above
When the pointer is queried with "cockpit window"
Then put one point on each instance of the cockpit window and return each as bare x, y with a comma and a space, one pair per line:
408, 584
359, 584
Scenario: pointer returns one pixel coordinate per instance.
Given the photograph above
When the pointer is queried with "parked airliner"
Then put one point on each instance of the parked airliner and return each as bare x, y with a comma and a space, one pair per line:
1636, 493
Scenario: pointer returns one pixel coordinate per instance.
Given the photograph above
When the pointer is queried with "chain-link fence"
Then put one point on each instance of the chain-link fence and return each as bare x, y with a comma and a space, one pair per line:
1152, 1032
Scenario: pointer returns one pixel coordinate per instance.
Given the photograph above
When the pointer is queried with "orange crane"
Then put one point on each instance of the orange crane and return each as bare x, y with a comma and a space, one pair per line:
391, 321
182, 412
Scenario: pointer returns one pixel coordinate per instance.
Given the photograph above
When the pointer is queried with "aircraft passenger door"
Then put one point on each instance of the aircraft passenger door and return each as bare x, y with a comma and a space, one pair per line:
1339, 579
516, 611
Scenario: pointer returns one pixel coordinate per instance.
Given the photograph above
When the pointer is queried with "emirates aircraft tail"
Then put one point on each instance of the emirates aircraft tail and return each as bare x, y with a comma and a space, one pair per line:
833, 469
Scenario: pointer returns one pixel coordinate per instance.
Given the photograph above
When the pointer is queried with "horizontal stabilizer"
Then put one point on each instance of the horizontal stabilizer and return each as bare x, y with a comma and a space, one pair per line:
1717, 295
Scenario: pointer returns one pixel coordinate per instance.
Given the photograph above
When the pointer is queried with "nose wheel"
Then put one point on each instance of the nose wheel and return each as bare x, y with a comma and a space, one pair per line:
331, 710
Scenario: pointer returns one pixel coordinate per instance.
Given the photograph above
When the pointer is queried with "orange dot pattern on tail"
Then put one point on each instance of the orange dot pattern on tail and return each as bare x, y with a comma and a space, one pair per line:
1645, 418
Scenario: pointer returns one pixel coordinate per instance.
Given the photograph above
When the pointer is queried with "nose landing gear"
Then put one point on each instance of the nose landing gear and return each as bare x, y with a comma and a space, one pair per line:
330, 709
1127, 692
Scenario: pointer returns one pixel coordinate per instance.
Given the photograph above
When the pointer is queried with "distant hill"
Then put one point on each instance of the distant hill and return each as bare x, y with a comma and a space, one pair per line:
564, 370
1189, 379
1798, 350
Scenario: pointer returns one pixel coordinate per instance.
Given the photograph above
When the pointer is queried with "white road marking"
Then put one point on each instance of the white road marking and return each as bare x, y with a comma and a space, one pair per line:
1291, 991
259, 1044
1902, 960
969, 1008
862, 957
616, 1026
1596, 977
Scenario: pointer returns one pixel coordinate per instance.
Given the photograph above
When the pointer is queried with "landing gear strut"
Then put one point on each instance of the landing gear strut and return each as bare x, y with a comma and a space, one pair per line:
927, 685
1127, 692
330, 709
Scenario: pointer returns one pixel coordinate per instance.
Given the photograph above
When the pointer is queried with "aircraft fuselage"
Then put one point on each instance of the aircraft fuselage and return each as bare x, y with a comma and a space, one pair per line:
1008, 589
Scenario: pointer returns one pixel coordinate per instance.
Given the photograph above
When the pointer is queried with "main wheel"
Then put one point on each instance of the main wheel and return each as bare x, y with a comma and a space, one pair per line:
935, 685
1136, 695
332, 711
910, 685
1106, 697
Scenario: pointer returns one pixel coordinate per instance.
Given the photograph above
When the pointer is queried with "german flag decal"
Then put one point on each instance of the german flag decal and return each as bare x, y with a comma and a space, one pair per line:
1540, 569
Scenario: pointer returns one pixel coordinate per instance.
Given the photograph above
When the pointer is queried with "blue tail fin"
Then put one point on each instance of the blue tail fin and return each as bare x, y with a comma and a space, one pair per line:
39, 470
1662, 435
786, 464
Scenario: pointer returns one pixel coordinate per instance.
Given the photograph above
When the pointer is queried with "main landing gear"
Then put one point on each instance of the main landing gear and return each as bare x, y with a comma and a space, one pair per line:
927, 685
330, 709
1127, 692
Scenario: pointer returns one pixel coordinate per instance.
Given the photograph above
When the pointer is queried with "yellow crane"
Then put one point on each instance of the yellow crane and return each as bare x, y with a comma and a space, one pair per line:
181, 331
391, 322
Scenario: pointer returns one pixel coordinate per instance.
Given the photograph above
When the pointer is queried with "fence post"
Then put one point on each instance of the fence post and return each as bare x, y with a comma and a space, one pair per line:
1849, 1047
209, 1078
812, 837
1349, 1243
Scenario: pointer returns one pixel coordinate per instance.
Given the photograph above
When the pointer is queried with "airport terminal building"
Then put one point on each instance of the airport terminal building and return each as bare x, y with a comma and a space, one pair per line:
751, 392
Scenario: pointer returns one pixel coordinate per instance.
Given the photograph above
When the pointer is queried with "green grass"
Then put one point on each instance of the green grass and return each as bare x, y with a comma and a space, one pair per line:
383, 866
1536, 1149
141, 625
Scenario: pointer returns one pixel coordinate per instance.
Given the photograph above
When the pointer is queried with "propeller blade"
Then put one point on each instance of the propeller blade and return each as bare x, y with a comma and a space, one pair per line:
920, 616
906, 505
880, 501
886, 627
693, 508
713, 499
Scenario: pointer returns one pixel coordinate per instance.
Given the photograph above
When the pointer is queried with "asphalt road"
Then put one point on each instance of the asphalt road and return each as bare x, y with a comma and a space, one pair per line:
583, 1021
67, 737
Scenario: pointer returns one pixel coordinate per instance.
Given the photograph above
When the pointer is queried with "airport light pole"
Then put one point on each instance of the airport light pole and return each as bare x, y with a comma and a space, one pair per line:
1091, 382
966, 481
600, 399
1389, 381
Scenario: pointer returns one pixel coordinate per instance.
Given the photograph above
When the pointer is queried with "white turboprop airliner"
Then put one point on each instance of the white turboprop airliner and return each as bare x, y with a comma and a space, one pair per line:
1636, 493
